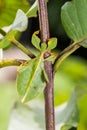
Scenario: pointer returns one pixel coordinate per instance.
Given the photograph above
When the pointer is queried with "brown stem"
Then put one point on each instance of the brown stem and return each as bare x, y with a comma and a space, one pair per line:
48, 92
43, 20
49, 98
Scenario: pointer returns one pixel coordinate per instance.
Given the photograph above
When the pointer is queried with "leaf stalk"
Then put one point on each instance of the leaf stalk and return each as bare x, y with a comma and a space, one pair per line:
20, 46
64, 54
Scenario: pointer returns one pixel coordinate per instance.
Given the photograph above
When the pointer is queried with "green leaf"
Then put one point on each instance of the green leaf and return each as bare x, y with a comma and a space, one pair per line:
32, 12
5, 42
30, 79
21, 21
68, 115
80, 92
36, 40
20, 24
4, 30
8, 9
52, 43
31, 115
27, 117
74, 19
84, 43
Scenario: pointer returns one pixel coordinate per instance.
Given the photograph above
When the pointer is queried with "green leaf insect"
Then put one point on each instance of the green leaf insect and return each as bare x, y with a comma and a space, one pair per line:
52, 43
43, 47
45, 75
30, 79
36, 40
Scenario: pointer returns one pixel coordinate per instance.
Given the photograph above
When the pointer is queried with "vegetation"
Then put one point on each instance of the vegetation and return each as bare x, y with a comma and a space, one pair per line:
41, 72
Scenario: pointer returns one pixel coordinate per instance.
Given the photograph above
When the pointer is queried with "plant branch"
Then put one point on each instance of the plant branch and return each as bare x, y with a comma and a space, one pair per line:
64, 54
48, 92
2, 32
11, 62
19, 45
43, 18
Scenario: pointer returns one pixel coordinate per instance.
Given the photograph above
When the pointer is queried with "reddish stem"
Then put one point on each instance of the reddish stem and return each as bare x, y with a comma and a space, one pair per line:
48, 92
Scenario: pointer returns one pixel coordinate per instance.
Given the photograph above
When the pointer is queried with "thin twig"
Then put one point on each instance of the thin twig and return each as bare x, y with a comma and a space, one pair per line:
48, 92
43, 20
64, 54
20, 46
11, 62
2, 32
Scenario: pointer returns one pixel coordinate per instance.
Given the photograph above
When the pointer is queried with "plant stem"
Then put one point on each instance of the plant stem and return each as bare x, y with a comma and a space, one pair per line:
64, 54
48, 92
11, 62
2, 32
19, 45
43, 18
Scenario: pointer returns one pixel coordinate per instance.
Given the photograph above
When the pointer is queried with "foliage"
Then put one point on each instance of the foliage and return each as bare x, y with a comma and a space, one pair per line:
70, 108
8, 8
74, 19
31, 78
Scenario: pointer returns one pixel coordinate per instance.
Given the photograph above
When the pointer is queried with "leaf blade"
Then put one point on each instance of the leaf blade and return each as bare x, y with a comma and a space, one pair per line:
69, 115
20, 22
74, 19
32, 12
8, 9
